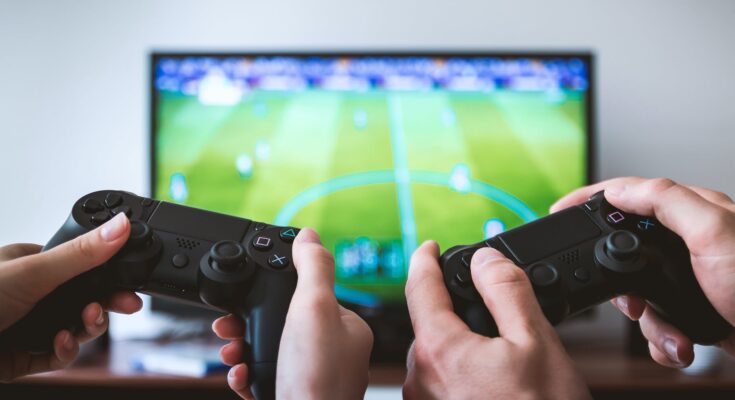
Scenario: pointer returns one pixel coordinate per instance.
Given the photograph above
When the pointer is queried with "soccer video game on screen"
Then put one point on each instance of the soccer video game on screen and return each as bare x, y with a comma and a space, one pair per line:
377, 153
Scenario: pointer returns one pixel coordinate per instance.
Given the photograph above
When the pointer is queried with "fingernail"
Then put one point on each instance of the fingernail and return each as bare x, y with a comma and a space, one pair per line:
113, 228
68, 342
308, 235
100, 318
485, 255
232, 378
622, 303
671, 350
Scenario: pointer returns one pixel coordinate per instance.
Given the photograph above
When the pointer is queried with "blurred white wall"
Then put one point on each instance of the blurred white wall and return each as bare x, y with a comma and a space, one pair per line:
74, 94
73, 79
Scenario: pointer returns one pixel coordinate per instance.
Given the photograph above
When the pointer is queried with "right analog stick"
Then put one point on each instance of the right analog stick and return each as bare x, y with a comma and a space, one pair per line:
623, 246
620, 252
226, 256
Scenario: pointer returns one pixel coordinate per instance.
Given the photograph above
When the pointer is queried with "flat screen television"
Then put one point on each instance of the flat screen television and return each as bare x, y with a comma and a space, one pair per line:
377, 151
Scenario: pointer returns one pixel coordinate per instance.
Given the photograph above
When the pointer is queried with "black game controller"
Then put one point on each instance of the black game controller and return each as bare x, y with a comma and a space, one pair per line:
584, 255
199, 257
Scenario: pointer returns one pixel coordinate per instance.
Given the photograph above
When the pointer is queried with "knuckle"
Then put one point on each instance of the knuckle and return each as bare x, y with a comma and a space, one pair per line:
428, 350
319, 301
719, 225
500, 272
662, 184
723, 197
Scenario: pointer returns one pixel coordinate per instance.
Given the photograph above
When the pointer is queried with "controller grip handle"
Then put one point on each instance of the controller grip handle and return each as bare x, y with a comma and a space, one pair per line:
61, 309
265, 325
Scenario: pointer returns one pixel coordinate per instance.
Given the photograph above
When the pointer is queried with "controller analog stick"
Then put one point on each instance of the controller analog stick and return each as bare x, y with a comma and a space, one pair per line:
620, 252
140, 234
623, 246
226, 255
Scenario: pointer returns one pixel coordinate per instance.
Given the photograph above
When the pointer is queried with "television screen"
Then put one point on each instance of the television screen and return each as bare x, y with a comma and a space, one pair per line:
377, 152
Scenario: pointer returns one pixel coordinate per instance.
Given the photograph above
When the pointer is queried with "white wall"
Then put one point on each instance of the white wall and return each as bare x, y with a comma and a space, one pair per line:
73, 94
73, 79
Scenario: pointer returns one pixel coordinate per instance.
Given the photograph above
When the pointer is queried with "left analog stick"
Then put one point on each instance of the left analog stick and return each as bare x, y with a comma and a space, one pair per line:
140, 234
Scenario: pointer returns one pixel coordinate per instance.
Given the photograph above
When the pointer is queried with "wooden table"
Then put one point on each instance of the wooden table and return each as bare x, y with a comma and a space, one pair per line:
609, 372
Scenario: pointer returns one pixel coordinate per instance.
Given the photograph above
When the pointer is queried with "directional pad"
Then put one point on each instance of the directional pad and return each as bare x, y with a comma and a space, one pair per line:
113, 200
100, 217
122, 209
92, 206
463, 278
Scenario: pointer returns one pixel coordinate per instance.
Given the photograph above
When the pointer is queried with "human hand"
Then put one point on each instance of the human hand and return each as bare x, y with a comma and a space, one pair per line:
449, 361
705, 219
325, 349
27, 276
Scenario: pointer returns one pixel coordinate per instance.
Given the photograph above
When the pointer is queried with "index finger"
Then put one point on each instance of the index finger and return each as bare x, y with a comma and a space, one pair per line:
429, 303
699, 222
583, 194
17, 250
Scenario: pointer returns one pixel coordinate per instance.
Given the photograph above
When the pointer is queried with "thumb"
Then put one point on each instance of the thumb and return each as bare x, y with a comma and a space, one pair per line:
313, 262
39, 274
508, 295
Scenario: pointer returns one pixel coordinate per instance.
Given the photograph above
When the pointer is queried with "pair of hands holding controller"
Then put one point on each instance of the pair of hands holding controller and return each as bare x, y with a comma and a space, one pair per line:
325, 348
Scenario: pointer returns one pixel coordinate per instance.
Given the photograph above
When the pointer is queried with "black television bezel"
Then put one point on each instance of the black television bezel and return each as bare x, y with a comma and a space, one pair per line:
587, 56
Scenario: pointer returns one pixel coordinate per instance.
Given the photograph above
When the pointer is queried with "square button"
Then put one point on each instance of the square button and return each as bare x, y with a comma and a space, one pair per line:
262, 243
615, 217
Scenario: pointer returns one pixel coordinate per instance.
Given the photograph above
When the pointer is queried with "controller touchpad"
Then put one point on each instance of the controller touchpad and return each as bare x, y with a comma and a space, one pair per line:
196, 223
558, 231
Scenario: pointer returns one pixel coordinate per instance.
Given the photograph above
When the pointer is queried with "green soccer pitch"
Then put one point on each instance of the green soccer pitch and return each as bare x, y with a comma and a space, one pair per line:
394, 167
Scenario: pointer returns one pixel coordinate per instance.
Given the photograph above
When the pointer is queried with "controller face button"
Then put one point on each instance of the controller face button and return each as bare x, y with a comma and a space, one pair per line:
288, 234
262, 243
113, 200
100, 217
146, 202
179, 260
582, 274
646, 224
92, 206
615, 217
278, 261
140, 234
463, 278
622, 246
543, 274
122, 209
